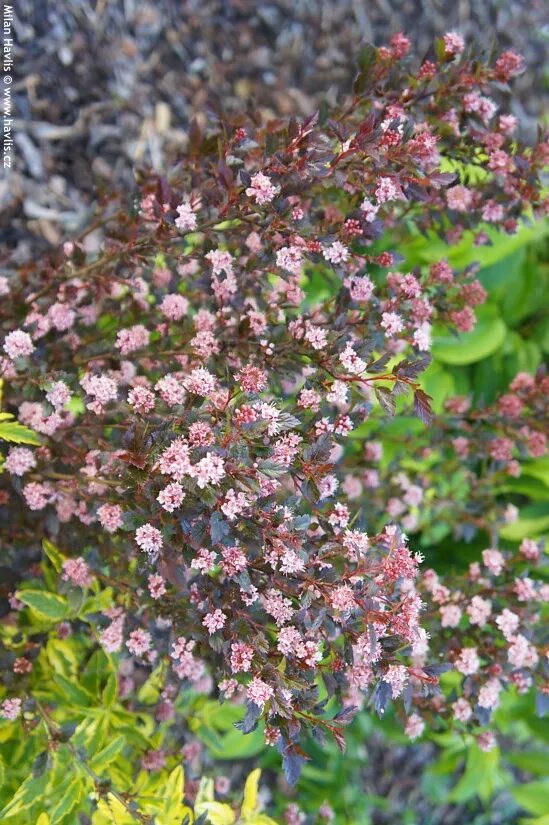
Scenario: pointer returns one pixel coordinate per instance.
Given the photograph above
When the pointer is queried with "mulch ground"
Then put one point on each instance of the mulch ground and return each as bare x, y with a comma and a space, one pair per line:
102, 86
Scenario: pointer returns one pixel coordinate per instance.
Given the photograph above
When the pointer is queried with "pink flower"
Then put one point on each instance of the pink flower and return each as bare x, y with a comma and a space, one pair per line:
58, 395
259, 692
209, 470
235, 504
486, 741
175, 460
102, 388
479, 610
351, 361
278, 606
110, 517
414, 726
337, 253
19, 461
171, 496
450, 615
142, 399
343, 598
131, 339
521, 653
61, 316
467, 662
391, 323
200, 382
454, 44
262, 189
369, 209
148, 538
493, 560
77, 572
157, 586
290, 258
214, 621
18, 344
530, 549
462, 710
459, 198
171, 390
205, 560
10, 709
396, 676
509, 64
38, 495
139, 642
186, 220
488, 696
112, 637
252, 379
422, 337
174, 307
387, 190
242, 655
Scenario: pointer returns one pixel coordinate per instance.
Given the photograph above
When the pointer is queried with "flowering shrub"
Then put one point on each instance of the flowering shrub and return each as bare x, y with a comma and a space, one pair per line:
195, 387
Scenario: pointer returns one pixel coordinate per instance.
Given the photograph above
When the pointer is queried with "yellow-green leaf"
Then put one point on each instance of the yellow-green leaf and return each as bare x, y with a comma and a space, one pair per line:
249, 803
70, 797
108, 754
175, 788
217, 812
18, 434
43, 819
54, 554
47, 606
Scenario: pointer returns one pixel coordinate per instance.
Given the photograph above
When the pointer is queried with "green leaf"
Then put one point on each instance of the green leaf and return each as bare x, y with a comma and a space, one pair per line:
47, 606
54, 554
479, 776
108, 754
18, 434
149, 691
25, 796
467, 348
232, 745
72, 691
533, 797
532, 521
110, 691
531, 761
69, 798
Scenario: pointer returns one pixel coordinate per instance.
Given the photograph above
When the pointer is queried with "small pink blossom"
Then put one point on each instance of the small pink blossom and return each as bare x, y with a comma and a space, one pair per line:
214, 621
10, 709
171, 496
77, 572
139, 642
414, 726
19, 461
186, 220
259, 692
148, 538
18, 344
110, 517
262, 189
454, 44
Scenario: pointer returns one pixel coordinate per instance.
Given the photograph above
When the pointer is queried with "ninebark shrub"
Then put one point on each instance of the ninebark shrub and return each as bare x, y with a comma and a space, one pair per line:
194, 387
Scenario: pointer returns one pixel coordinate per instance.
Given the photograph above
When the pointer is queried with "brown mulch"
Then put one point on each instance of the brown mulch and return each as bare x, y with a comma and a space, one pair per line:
102, 86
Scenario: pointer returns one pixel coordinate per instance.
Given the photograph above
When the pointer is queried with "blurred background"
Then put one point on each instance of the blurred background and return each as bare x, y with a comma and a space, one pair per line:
102, 85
